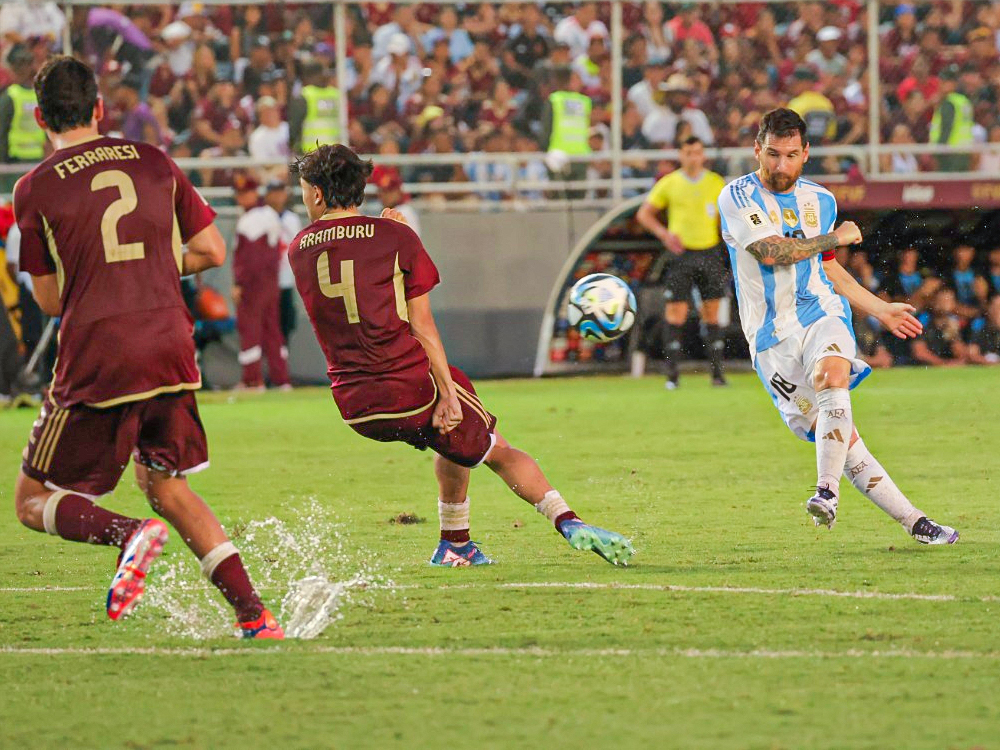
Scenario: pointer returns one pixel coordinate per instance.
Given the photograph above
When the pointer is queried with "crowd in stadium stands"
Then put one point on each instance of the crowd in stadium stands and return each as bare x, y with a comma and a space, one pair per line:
431, 78
959, 307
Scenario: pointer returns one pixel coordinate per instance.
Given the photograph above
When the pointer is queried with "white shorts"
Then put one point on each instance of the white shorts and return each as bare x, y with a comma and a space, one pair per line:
787, 368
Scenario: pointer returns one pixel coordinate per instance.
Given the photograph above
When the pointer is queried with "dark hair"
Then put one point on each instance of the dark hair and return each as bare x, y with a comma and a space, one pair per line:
67, 93
691, 140
337, 171
781, 123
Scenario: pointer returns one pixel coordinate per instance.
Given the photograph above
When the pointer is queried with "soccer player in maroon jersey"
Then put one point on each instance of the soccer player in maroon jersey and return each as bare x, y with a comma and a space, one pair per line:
365, 284
102, 225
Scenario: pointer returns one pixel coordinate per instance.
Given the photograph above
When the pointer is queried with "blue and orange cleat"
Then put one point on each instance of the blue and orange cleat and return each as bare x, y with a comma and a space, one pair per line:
129, 583
610, 545
448, 555
264, 626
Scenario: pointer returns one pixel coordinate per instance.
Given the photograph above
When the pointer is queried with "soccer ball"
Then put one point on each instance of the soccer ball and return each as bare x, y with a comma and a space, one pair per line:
601, 307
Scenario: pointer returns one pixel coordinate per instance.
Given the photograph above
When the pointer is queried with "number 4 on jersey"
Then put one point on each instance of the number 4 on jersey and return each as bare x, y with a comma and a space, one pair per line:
344, 289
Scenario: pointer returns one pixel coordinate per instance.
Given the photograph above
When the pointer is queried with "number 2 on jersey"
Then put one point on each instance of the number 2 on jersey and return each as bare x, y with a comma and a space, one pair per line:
344, 289
114, 250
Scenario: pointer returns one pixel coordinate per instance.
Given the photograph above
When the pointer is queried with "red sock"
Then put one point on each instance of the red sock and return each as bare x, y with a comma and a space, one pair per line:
563, 517
79, 520
456, 536
231, 578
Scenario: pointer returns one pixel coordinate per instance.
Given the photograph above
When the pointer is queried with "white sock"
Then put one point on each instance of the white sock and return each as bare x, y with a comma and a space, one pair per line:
833, 433
454, 516
552, 505
215, 556
872, 481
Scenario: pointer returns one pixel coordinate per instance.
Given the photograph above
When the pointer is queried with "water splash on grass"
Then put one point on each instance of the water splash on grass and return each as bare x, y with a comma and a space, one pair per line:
306, 568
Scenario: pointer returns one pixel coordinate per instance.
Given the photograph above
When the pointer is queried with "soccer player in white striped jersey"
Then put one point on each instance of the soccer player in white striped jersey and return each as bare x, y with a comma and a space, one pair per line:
793, 301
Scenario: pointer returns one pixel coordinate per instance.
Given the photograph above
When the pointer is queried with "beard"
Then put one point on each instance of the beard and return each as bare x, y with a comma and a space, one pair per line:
779, 183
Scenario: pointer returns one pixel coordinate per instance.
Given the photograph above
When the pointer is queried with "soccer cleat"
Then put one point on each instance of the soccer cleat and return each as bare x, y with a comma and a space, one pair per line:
448, 555
129, 583
264, 626
927, 531
610, 545
718, 379
823, 507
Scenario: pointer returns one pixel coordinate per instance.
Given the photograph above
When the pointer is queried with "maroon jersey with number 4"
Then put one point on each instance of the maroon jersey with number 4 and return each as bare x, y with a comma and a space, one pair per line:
355, 274
108, 217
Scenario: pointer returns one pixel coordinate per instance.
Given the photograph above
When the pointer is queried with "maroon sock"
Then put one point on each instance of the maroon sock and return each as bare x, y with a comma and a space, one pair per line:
459, 537
79, 520
231, 578
563, 517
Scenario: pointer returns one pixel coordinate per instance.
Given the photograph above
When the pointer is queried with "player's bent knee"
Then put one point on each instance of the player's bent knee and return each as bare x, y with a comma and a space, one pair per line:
832, 372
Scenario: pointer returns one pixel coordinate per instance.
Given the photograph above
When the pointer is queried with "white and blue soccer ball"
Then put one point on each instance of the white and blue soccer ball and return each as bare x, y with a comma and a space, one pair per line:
601, 307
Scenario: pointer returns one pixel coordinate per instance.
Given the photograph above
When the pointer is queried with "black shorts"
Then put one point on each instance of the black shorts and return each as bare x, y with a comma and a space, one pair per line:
705, 269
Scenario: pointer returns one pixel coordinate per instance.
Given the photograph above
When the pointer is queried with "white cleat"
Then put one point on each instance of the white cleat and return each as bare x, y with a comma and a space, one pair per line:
927, 531
823, 507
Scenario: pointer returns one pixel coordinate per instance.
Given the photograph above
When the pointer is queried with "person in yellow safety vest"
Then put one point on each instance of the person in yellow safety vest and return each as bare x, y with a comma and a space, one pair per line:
566, 128
952, 123
21, 139
314, 115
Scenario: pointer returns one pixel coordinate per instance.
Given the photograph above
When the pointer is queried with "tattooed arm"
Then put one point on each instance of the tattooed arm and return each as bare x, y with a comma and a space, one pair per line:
784, 251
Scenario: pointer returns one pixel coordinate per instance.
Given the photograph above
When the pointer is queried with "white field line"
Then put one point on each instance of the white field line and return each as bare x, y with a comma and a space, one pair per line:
532, 652
584, 585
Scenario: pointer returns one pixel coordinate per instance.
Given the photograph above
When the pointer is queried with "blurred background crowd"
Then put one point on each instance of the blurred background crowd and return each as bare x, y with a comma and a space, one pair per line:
207, 80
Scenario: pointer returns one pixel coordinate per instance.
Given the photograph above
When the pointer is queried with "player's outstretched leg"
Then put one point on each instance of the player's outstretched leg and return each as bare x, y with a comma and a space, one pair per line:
455, 548
833, 431
523, 475
74, 517
173, 499
873, 481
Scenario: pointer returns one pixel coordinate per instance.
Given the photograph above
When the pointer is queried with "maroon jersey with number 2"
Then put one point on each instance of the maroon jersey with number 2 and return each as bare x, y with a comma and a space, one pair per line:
355, 274
109, 217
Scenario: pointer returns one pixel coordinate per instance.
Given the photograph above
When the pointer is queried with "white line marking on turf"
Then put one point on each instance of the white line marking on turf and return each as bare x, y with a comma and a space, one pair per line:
665, 587
535, 652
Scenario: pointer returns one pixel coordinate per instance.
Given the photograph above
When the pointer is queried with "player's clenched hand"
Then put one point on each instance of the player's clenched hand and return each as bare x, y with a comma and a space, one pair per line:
447, 414
848, 234
898, 318
391, 213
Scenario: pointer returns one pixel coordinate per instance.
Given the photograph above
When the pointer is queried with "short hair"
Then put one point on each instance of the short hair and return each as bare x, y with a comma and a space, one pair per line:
692, 140
67, 93
781, 123
337, 171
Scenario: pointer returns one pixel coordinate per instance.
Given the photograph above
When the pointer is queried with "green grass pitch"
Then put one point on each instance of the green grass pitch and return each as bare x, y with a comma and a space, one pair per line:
726, 632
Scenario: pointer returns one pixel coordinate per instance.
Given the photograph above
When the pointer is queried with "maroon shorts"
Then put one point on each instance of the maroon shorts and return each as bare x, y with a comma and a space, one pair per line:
466, 445
86, 450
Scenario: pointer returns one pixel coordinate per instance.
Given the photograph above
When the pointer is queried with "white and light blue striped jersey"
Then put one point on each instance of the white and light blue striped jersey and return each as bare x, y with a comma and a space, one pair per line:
778, 301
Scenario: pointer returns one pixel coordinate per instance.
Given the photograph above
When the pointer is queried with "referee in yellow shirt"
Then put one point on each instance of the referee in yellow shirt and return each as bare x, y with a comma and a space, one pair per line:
689, 195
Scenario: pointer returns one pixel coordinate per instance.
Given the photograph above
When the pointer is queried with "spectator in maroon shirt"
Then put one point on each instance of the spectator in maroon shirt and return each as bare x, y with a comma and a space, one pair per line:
902, 40
215, 112
482, 69
499, 109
